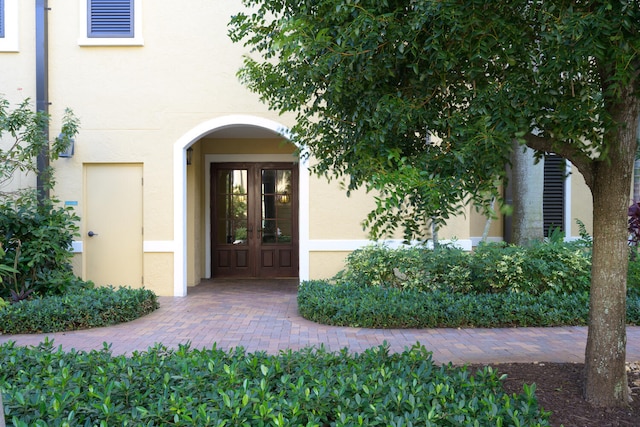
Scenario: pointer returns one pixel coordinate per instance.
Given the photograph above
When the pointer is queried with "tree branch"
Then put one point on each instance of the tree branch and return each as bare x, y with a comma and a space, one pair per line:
577, 157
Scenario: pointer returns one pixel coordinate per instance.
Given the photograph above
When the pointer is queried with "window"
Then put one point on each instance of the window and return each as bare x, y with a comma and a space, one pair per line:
110, 18
1, 19
110, 23
8, 25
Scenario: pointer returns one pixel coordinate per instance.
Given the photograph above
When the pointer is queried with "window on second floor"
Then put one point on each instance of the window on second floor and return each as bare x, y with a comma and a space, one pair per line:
110, 23
9, 25
1, 19
110, 18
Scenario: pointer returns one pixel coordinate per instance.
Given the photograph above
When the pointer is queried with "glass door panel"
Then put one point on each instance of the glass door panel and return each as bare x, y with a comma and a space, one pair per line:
231, 206
276, 215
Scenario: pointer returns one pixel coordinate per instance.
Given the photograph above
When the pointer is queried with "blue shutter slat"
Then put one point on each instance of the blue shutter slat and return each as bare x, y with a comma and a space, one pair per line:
110, 18
1, 18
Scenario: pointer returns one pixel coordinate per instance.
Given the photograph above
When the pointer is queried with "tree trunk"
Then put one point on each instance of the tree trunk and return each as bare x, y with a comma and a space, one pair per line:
605, 357
528, 185
487, 224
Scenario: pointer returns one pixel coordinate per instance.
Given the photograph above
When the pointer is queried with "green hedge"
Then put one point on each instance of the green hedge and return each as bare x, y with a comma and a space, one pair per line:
87, 308
310, 387
346, 304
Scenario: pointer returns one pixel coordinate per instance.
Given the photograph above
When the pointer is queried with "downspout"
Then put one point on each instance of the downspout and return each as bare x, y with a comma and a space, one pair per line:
42, 93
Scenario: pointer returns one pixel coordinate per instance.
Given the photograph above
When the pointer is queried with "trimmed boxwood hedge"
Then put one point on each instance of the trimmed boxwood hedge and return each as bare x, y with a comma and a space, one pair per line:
86, 308
310, 387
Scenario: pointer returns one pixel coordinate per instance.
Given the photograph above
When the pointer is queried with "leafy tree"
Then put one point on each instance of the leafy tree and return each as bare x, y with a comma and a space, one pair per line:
23, 135
370, 80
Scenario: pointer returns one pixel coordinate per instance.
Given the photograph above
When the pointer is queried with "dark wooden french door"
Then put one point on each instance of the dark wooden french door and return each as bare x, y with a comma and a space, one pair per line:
254, 219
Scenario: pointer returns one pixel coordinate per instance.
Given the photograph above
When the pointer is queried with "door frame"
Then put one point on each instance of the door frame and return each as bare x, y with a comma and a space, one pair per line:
242, 158
255, 247
178, 245
89, 225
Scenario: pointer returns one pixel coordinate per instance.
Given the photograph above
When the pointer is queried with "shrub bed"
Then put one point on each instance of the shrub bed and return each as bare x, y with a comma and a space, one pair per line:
346, 304
310, 387
546, 284
87, 308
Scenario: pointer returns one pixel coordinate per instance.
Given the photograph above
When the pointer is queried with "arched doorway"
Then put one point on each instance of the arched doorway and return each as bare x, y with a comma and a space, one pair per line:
212, 141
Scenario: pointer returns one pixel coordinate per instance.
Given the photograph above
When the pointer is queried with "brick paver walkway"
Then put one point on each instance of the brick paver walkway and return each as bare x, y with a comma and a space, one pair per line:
262, 315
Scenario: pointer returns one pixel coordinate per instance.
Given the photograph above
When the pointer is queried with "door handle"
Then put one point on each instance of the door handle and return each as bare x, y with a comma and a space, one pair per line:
91, 234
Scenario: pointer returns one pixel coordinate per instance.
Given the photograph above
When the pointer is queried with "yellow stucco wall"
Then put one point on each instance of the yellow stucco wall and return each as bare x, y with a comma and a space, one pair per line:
581, 207
159, 272
325, 265
333, 215
136, 102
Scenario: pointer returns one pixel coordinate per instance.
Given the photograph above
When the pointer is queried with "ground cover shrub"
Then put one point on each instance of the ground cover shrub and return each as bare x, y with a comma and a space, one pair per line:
210, 387
346, 304
87, 308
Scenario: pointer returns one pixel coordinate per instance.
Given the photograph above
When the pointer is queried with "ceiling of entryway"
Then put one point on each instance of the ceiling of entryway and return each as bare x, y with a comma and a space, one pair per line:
243, 131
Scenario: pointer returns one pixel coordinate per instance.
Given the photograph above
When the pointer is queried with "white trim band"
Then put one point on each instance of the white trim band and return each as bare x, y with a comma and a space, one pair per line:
148, 246
352, 245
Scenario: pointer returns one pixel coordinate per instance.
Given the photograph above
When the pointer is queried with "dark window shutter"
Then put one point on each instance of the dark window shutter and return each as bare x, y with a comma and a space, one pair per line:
1, 18
554, 195
110, 18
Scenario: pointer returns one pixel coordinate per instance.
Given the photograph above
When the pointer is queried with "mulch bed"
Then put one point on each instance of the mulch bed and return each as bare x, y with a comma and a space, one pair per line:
559, 390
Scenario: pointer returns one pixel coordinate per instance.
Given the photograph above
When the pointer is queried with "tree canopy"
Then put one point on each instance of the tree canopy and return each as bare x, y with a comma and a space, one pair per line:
371, 80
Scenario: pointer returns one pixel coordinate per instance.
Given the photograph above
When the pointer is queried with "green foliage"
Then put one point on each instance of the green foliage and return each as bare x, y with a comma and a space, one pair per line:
541, 267
371, 81
545, 284
36, 237
87, 308
4, 268
310, 387
26, 129
537, 268
633, 275
348, 304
